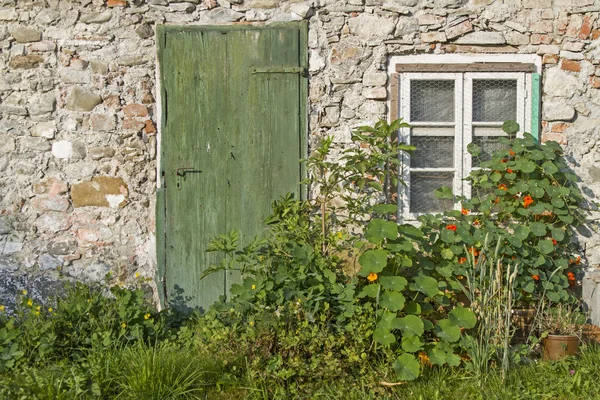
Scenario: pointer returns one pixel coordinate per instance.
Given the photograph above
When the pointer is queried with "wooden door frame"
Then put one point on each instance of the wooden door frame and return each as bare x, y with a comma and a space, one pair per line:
161, 107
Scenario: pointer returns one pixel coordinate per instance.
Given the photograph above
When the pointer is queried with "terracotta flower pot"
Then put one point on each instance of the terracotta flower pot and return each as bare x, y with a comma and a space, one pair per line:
555, 347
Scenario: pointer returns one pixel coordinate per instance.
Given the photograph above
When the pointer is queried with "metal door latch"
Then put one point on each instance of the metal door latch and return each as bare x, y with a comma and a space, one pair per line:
180, 172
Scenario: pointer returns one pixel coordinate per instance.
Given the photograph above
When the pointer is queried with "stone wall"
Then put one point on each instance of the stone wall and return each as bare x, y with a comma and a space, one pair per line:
78, 113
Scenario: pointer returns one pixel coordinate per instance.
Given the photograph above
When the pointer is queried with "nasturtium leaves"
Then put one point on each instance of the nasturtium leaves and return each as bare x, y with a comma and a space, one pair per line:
558, 234
372, 261
464, 317
403, 245
549, 168
447, 330
521, 232
447, 254
413, 308
546, 246
385, 208
407, 367
379, 229
444, 192
528, 167
397, 283
426, 285
511, 127
383, 336
528, 287
410, 325
538, 229
392, 300
557, 202
411, 344
369, 291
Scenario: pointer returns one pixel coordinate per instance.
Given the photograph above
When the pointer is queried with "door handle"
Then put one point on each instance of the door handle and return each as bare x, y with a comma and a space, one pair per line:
185, 170
180, 172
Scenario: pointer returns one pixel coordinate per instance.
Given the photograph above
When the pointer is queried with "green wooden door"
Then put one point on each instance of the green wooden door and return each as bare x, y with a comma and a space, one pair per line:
233, 129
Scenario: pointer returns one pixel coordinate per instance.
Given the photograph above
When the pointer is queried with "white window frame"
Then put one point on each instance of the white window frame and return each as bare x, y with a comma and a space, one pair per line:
463, 123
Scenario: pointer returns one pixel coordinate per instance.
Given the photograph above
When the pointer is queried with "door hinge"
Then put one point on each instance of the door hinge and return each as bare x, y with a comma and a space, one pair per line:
281, 70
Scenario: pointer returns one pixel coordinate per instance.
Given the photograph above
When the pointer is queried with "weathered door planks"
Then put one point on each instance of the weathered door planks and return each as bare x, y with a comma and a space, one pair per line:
244, 131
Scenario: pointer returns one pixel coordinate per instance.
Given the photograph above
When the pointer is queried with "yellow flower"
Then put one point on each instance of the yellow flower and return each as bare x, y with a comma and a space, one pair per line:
24, 292
30, 302
37, 313
1, 308
251, 323
253, 287
50, 309
372, 277
340, 235
137, 275
123, 325
147, 316
38, 308
89, 300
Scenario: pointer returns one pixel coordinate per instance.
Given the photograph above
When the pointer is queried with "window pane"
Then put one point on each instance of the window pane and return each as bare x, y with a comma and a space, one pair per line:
494, 100
432, 101
432, 152
487, 139
422, 186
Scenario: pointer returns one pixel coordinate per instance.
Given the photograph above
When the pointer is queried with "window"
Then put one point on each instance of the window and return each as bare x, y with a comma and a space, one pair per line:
449, 105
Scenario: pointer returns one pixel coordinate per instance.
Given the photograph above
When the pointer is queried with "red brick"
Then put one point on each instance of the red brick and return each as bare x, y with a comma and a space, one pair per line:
586, 28
550, 59
135, 110
595, 82
570, 65
116, 3
537, 38
560, 127
595, 34
150, 128
132, 124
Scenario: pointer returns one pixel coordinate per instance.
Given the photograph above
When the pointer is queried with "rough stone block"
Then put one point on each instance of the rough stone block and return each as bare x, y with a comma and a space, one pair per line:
573, 46
459, 30
375, 79
98, 153
430, 19
99, 67
7, 144
47, 16
433, 37
548, 49
101, 191
101, 122
25, 62
42, 104
80, 99
481, 38
571, 55
557, 111
263, 3
50, 203
62, 246
558, 83
538, 38
144, 31
62, 149
96, 17
8, 15
35, 143
51, 186
517, 39
379, 93
47, 261
371, 27
24, 34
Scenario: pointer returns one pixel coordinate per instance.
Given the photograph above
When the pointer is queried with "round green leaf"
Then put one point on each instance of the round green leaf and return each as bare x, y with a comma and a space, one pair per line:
546, 246
521, 232
383, 336
372, 261
447, 254
407, 367
528, 167
379, 229
437, 356
549, 168
464, 317
385, 208
426, 285
447, 330
511, 127
411, 344
369, 291
558, 234
392, 300
397, 283
538, 229
410, 325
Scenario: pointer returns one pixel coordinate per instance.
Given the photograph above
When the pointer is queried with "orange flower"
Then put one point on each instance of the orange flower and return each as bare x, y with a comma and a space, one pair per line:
572, 279
473, 251
512, 153
510, 171
497, 200
372, 277
527, 201
502, 186
554, 241
462, 260
464, 211
451, 227
535, 277
504, 160
476, 222
578, 260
